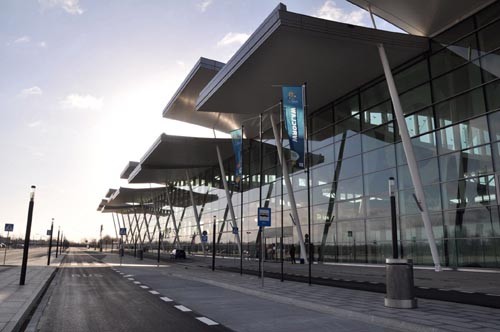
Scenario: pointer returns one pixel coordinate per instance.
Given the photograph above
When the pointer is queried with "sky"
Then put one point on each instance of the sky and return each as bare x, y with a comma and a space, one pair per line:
83, 84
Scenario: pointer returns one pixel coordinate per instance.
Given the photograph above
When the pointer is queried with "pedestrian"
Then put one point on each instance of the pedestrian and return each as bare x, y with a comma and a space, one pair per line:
292, 253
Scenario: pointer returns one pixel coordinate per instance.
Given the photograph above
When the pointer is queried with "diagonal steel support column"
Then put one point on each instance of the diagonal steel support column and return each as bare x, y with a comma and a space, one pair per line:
114, 224
123, 222
195, 210
172, 213
289, 189
229, 197
410, 157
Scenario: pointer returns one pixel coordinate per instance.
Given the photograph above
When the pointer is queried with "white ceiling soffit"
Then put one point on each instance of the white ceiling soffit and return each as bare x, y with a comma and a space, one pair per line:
423, 17
290, 49
170, 156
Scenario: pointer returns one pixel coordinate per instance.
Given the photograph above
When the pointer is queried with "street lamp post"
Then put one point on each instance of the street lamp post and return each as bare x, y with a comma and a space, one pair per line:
57, 243
213, 244
27, 236
100, 239
50, 241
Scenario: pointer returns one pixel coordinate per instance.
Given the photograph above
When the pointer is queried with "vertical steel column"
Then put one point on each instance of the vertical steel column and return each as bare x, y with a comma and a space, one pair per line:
241, 202
229, 196
308, 177
261, 229
410, 157
195, 210
291, 196
281, 196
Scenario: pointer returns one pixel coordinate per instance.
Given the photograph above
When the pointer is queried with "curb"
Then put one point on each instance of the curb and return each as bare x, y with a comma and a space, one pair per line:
21, 317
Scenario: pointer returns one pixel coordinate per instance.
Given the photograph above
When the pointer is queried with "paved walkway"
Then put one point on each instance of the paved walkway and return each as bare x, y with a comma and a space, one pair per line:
343, 303
16, 302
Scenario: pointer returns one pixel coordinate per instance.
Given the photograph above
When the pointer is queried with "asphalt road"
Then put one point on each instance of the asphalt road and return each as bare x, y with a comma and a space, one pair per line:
87, 295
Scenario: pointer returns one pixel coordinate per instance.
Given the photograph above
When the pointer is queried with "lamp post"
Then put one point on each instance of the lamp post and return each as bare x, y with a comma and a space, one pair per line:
50, 241
213, 243
57, 243
100, 240
27, 236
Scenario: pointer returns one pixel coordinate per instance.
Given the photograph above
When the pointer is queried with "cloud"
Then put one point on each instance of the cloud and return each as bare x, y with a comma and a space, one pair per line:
34, 124
70, 6
42, 44
22, 40
233, 38
202, 6
33, 91
87, 102
330, 11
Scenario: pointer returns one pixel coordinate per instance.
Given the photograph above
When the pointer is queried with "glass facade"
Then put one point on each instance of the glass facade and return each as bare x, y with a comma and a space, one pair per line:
451, 99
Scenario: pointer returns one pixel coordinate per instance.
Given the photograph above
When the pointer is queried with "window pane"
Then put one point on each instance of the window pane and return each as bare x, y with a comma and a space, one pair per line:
378, 137
377, 115
347, 128
429, 173
350, 209
488, 14
496, 156
378, 182
350, 167
379, 159
416, 99
378, 205
407, 204
322, 175
460, 108
321, 138
490, 65
466, 164
321, 119
493, 95
374, 95
463, 135
469, 192
454, 56
349, 189
420, 122
324, 155
346, 108
349, 147
412, 76
457, 81
488, 37
456, 32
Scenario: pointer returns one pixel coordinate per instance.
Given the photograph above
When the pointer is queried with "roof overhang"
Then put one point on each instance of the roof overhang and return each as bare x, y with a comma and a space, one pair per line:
129, 168
423, 17
170, 157
290, 49
110, 192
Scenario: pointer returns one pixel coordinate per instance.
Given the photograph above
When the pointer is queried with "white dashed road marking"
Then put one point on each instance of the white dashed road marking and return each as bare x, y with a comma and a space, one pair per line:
207, 321
143, 286
154, 292
131, 279
182, 308
137, 282
166, 299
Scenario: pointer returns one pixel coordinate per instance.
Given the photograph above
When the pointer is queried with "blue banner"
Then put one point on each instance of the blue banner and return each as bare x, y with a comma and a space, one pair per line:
293, 108
237, 137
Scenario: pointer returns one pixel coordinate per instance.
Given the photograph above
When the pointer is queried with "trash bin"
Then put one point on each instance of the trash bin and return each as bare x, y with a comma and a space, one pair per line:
400, 292
140, 254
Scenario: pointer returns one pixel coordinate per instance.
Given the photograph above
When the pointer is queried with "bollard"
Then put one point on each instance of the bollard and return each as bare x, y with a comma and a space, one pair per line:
400, 292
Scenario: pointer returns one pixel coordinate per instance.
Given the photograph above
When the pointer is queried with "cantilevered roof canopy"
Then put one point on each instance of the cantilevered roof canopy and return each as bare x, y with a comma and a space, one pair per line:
170, 156
423, 17
333, 58
102, 204
126, 197
110, 192
131, 165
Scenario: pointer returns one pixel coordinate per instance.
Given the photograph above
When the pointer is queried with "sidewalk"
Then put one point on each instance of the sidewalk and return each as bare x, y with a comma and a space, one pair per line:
342, 303
16, 302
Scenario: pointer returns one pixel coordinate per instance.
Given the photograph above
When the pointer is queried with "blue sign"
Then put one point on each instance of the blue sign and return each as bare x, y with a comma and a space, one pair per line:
204, 238
49, 232
9, 227
235, 230
293, 108
264, 217
123, 231
237, 138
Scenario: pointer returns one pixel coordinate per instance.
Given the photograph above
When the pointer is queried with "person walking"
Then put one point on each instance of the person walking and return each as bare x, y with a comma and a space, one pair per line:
292, 253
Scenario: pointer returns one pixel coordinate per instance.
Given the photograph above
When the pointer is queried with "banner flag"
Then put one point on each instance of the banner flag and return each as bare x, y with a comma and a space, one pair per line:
293, 108
237, 138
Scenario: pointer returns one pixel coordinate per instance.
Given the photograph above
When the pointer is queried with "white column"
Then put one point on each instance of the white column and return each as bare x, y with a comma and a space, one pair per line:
228, 196
410, 157
289, 188
195, 210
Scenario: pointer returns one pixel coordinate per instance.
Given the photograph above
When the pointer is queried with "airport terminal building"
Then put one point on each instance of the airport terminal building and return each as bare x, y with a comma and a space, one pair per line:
446, 71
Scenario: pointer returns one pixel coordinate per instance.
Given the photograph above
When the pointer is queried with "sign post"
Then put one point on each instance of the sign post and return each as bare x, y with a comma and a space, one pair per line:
8, 228
49, 232
263, 220
123, 231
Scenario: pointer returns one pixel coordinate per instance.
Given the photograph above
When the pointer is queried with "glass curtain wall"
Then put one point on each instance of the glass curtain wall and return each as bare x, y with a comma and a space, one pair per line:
451, 99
